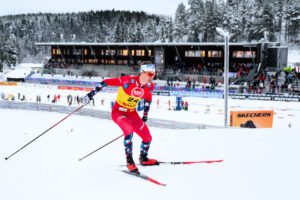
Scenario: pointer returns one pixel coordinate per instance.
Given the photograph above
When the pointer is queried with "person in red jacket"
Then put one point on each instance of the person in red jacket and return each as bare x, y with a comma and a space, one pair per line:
132, 89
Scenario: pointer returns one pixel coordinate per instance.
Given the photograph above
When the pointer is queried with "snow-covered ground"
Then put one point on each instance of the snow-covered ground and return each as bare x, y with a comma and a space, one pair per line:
258, 163
201, 110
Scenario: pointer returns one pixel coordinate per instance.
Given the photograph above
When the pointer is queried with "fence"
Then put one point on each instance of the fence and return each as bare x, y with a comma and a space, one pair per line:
98, 114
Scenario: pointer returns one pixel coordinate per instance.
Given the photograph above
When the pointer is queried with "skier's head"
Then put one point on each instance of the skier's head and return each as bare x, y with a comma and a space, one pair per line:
147, 72
147, 66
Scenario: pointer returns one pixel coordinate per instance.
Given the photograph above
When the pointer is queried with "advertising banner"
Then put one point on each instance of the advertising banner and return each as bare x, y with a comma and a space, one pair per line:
9, 83
252, 119
74, 88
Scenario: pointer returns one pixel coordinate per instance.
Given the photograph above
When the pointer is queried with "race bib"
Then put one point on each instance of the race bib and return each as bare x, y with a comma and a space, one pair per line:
126, 100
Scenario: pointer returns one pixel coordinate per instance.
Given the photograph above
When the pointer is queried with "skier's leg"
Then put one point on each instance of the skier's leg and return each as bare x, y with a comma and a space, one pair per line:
121, 119
143, 131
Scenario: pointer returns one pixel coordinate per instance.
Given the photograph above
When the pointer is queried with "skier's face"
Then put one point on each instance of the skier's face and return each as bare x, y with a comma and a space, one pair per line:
146, 77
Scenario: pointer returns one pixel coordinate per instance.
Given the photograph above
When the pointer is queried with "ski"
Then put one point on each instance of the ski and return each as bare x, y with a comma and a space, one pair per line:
143, 176
191, 162
183, 163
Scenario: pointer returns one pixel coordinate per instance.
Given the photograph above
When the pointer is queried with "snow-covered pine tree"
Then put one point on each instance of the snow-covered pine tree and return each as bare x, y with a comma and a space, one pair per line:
180, 23
210, 22
292, 17
162, 36
8, 50
169, 30
268, 21
278, 16
117, 33
138, 33
196, 14
149, 31
131, 31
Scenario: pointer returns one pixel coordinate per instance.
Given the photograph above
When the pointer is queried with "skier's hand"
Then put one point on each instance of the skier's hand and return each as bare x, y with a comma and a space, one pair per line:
145, 118
85, 100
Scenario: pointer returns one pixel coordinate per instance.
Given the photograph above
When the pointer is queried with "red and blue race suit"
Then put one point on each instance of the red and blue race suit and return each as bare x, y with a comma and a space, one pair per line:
124, 113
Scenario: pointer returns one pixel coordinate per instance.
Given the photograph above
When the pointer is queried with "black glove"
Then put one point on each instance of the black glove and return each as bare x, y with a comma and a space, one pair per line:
145, 118
85, 100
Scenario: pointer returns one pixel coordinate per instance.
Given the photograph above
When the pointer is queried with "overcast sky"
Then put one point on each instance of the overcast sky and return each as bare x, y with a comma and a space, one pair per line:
166, 7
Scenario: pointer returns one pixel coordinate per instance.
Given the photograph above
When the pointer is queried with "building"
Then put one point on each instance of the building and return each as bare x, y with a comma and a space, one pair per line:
164, 55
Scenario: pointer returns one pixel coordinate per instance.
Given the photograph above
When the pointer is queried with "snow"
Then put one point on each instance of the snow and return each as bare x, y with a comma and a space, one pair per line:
294, 56
258, 163
29, 65
67, 77
22, 70
19, 73
157, 43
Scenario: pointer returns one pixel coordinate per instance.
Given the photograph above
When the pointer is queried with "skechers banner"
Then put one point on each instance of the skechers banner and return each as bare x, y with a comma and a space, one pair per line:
252, 119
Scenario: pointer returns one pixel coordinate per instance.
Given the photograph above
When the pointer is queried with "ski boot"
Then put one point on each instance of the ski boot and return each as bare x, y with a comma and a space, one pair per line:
131, 165
145, 161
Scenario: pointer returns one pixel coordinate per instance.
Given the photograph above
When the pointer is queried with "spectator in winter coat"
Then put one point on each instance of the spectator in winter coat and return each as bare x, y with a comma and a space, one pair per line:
186, 106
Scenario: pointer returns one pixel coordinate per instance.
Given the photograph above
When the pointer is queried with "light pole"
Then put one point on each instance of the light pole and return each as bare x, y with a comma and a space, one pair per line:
226, 71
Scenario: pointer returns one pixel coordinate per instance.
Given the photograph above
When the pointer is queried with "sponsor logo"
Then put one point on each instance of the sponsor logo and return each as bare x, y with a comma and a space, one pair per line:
286, 99
137, 92
252, 119
241, 115
132, 81
123, 109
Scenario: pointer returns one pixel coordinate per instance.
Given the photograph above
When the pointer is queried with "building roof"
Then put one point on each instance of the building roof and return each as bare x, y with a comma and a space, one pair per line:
145, 44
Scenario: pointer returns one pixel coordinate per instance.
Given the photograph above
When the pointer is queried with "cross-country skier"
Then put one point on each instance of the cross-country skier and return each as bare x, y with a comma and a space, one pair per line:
132, 89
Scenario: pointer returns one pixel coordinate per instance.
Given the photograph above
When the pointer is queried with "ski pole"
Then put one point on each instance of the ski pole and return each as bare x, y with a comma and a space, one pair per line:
80, 159
43, 132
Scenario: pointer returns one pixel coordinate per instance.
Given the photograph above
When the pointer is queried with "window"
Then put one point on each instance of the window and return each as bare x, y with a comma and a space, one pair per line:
122, 62
109, 61
112, 52
192, 53
58, 52
244, 54
93, 61
132, 52
140, 52
85, 51
214, 54
200, 53
238, 54
124, 52
76, 51
149, 52
189, 53
53, 51
250, 54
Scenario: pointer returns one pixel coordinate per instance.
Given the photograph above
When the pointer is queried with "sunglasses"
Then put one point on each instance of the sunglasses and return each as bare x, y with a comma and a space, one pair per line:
150, 74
